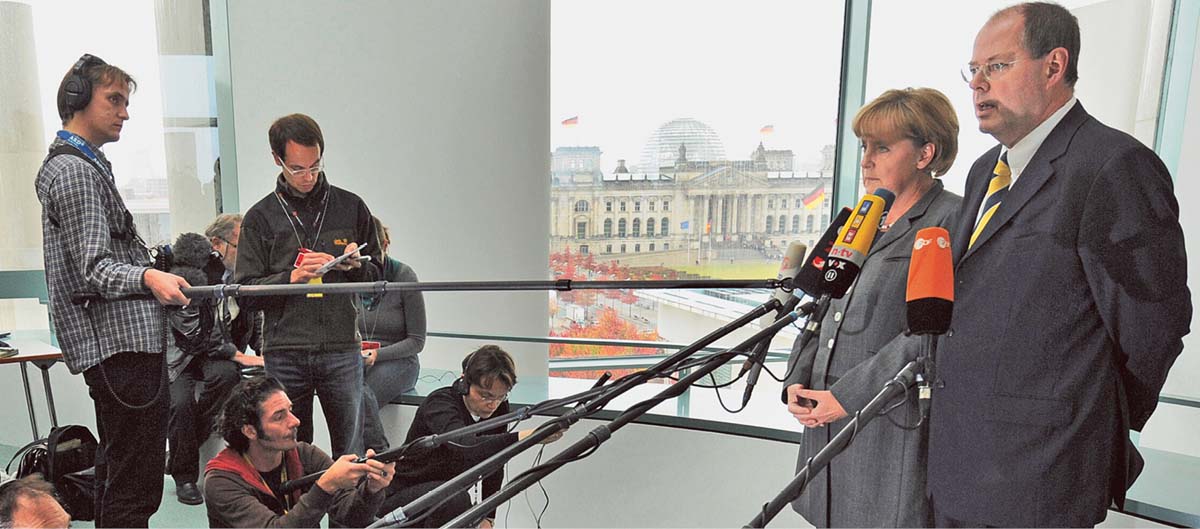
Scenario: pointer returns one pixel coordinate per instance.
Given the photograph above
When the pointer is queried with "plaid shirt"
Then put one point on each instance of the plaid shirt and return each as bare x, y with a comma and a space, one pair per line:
82, 255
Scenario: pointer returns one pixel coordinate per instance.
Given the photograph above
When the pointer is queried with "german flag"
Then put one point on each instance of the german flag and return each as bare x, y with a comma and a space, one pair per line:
767, 129
814, 198
573, 120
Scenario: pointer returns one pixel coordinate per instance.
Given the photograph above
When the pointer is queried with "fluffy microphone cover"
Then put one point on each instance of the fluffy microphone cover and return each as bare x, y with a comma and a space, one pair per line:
192, 252
192, 249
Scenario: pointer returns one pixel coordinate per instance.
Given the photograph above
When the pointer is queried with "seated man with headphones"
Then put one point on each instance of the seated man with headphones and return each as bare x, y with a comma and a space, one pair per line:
481, 392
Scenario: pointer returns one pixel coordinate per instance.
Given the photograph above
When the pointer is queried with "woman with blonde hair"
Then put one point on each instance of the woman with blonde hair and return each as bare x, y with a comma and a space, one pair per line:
909, 138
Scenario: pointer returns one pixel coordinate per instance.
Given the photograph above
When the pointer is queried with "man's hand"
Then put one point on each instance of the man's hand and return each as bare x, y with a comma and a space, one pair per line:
352, 262
380, 475
165, 287
487, 523
246, 360
345, 473
521, 435
310, 262
370, 356
801, 405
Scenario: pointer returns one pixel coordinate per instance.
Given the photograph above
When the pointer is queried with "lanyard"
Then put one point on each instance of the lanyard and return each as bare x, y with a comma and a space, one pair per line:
293, 218
283, 477
79, 143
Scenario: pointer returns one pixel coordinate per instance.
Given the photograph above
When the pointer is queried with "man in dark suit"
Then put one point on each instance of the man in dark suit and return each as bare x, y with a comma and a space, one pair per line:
1071, 294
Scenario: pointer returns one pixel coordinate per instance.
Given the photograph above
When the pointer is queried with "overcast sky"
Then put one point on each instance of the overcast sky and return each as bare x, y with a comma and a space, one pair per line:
627, 66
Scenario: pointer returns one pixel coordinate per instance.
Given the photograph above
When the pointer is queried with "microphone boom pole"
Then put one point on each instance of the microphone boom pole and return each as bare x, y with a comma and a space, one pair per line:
603, 432
432, 441
431, 499
380, 287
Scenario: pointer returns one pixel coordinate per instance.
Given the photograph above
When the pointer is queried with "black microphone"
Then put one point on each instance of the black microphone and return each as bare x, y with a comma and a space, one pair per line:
930, 300
854, 242
806, 282
810, 280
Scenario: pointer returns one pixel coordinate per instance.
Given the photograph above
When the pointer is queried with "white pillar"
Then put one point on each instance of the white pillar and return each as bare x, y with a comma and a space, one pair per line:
23, 141
191, 196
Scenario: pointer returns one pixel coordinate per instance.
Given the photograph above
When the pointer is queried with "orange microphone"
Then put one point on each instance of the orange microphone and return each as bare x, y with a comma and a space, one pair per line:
930, 294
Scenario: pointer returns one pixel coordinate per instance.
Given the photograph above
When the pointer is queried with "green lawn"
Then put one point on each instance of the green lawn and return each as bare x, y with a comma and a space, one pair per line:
736, 270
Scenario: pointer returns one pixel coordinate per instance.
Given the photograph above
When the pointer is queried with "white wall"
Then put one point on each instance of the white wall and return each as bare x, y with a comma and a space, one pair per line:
654, 476
648, 476
436, 112
1187, 188
1172, 427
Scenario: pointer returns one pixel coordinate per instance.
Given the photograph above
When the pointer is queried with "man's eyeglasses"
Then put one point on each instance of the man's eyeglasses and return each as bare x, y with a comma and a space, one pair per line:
314, 170
990, 70
227, 241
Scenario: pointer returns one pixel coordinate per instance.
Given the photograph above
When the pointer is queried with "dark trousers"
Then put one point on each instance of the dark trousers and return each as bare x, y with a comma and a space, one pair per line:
400, 496
130, 394
192, 415
337, 379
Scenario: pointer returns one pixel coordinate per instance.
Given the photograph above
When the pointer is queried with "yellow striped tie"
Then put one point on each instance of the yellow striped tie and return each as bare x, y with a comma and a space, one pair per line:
997, 188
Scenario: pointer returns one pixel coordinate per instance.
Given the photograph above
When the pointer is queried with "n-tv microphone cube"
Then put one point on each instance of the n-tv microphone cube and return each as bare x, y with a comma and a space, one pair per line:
853, 243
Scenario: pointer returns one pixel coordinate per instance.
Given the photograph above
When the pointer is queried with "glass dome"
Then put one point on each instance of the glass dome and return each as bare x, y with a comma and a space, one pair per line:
662, 149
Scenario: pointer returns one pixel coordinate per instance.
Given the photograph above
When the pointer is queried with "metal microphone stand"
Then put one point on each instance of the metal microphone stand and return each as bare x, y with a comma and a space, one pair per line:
381, 287
897, 385
429, 442
603, 432
420, 506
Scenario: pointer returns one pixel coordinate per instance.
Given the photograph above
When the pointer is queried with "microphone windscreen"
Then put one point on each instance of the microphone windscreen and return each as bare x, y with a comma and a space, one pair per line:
194, 276
192, 249
810, 277
792, 261
887, 196
930, 293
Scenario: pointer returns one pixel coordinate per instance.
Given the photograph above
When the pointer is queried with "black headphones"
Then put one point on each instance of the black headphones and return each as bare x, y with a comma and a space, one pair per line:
461, 386
77, 89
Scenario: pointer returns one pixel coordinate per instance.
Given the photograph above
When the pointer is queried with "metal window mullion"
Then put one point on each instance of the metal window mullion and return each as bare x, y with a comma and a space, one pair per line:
856, 32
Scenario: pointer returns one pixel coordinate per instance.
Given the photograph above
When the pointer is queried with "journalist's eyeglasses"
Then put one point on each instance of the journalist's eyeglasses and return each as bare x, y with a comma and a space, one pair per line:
227, 242
489, 398
990, 70
314, 170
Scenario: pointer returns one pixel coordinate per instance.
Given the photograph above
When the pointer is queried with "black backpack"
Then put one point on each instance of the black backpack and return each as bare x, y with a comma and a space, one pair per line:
66, 458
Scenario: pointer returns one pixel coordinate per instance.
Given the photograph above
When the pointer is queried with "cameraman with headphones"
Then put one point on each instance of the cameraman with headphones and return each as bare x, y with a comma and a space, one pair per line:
117, 339
481, 392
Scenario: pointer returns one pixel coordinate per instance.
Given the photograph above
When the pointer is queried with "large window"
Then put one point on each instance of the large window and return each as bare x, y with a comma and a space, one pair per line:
165, 161
756, 126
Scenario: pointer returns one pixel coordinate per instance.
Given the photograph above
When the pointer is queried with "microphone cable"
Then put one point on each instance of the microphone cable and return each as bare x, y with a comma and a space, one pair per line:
537, 518
166, 324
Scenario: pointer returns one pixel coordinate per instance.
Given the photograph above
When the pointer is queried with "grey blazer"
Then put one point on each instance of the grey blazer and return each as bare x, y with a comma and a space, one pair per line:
879, 481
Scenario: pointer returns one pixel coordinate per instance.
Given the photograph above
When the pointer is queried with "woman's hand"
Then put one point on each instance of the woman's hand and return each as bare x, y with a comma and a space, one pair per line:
813, 408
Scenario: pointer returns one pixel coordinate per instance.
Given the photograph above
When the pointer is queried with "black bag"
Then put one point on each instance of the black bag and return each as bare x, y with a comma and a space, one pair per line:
66, 458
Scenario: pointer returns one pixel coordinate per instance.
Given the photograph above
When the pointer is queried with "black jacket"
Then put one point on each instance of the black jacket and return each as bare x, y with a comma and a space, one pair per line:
268, 248
225, 335
443, 411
